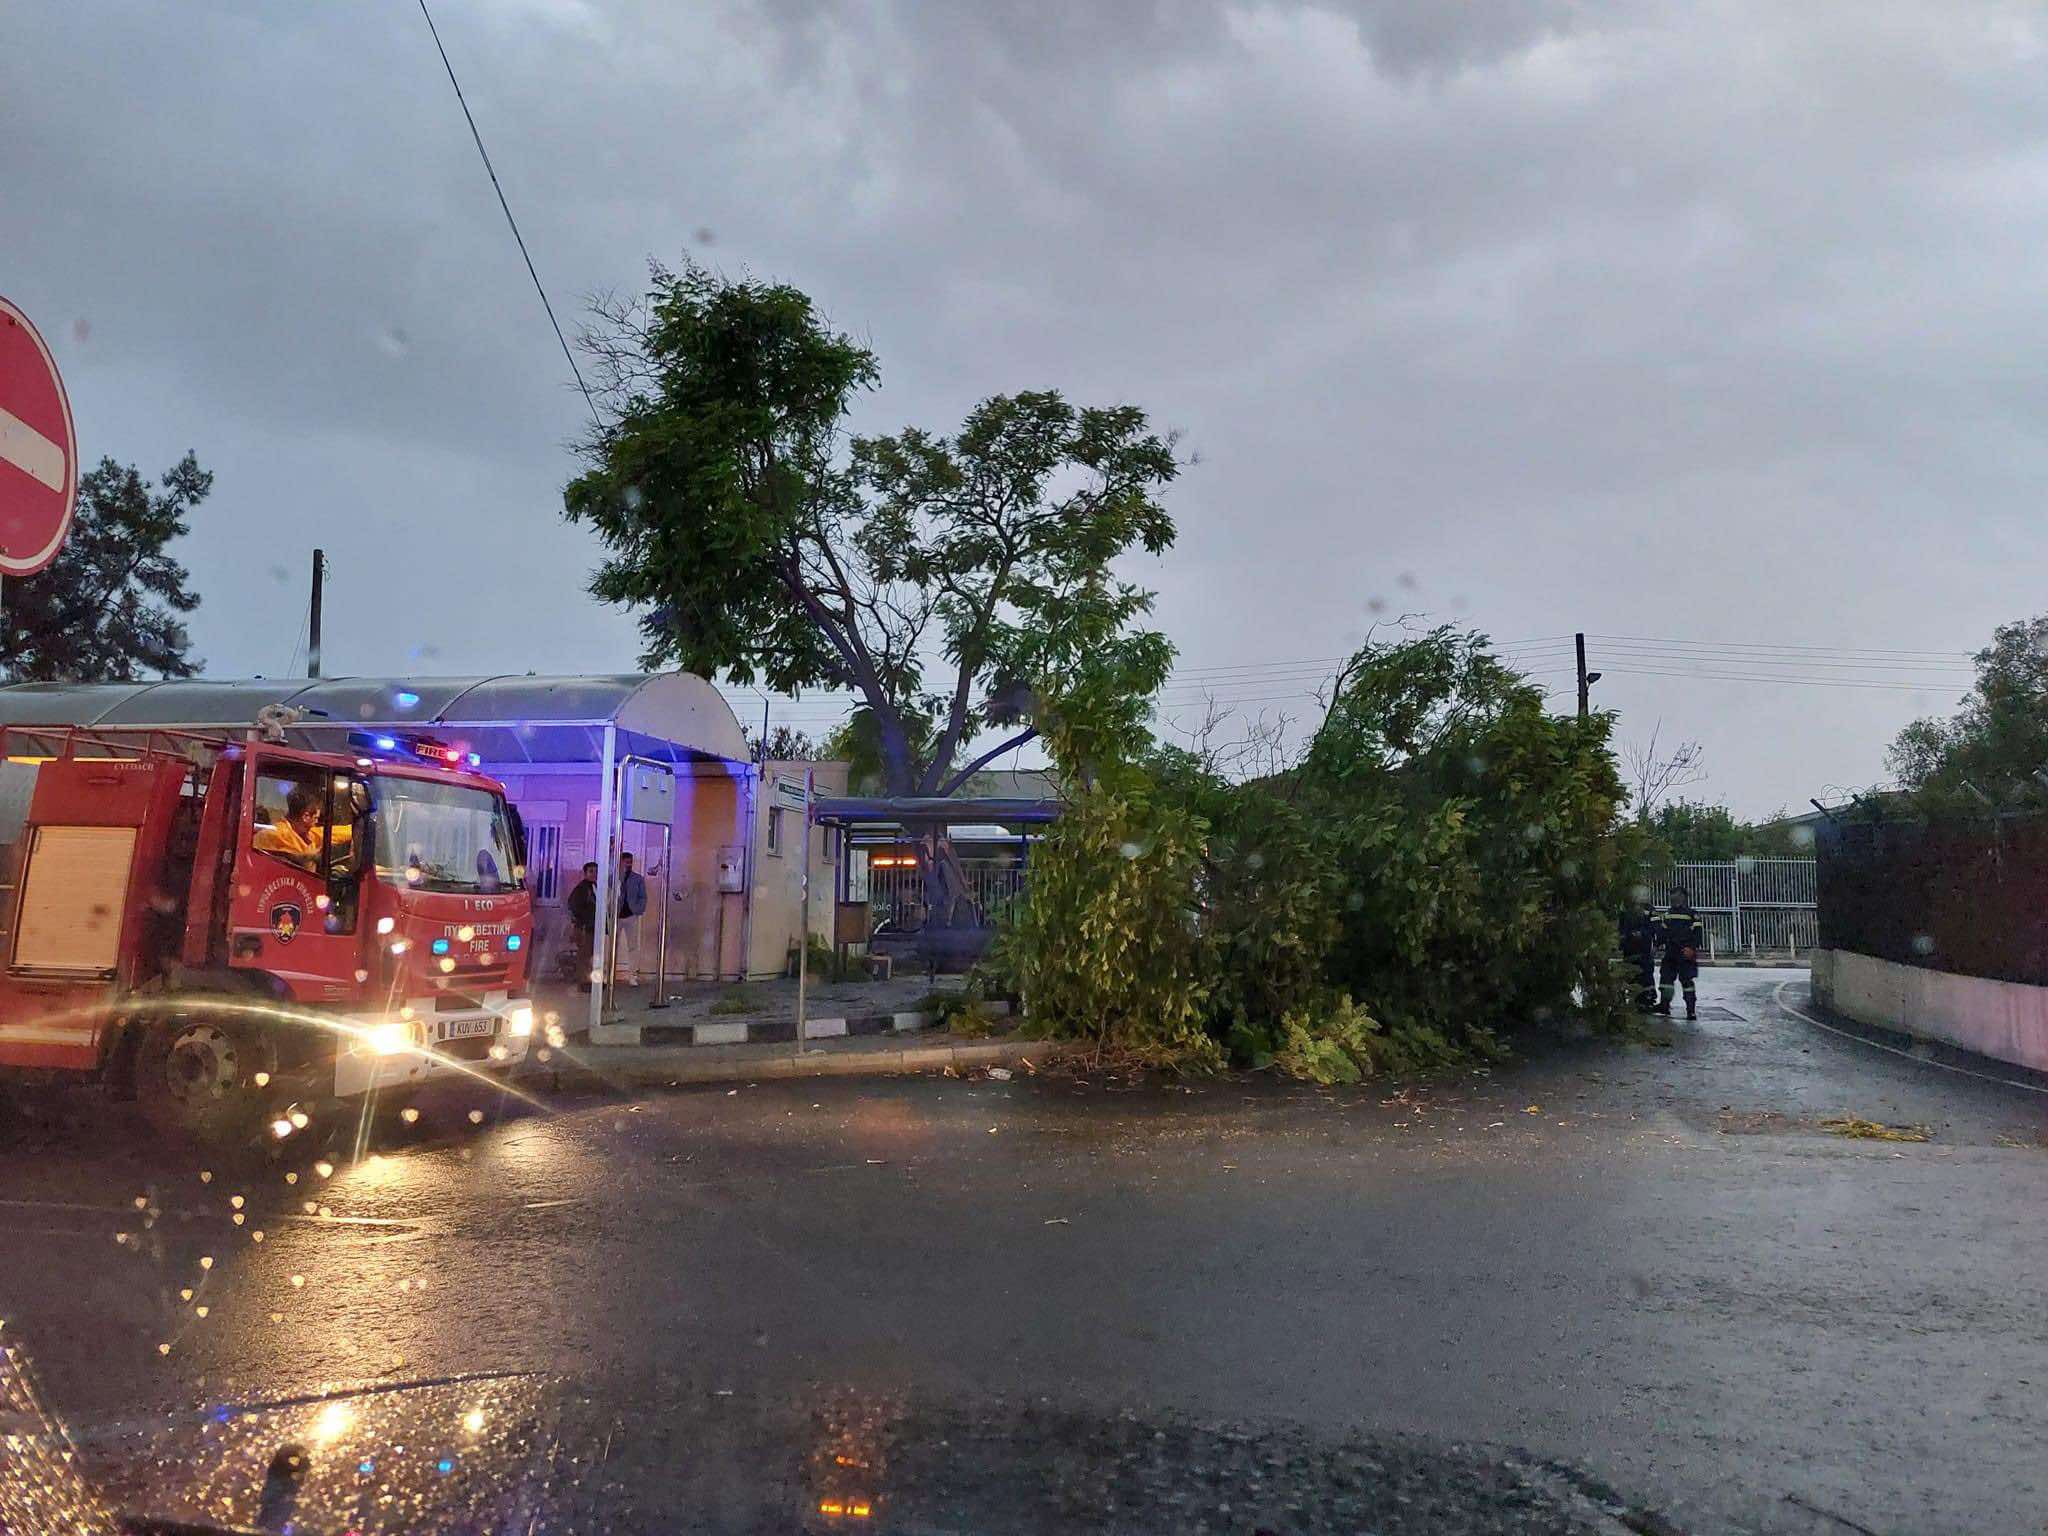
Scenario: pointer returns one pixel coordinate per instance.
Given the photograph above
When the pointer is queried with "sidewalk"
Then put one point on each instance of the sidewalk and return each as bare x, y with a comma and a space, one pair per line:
709, 1013
577, 1065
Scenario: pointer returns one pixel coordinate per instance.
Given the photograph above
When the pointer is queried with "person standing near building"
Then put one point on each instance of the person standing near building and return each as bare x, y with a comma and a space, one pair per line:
1680, 933
582, 904
1639, 945
632, 903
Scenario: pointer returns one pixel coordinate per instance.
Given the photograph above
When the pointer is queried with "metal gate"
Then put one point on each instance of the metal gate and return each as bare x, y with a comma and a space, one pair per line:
896, 891
1752, 907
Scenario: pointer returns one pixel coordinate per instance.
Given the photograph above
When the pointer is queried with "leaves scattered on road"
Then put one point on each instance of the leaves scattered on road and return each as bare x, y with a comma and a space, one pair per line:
1854, 1126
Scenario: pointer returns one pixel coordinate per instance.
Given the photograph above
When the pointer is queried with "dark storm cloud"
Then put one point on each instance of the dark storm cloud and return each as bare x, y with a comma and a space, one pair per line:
1709, 320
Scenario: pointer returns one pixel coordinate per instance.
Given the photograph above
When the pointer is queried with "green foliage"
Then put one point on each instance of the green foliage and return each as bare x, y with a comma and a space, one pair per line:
1269, 908
785, 744
719, 458
741, 999
1107, 948
1691, 831
1337, 1045
107, 608
757, 542
1439, 874
1988, 752
822, 962
857, 742
957, 1010
1475, 839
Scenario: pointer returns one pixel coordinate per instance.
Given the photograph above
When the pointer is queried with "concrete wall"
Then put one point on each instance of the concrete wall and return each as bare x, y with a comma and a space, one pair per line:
778, 874
2006, 1020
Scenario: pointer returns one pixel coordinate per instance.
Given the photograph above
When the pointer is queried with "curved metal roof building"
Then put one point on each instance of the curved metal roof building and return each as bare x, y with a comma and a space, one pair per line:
673, 717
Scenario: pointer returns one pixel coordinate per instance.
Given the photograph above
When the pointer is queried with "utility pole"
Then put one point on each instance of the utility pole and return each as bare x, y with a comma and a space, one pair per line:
1586, 680
313, 625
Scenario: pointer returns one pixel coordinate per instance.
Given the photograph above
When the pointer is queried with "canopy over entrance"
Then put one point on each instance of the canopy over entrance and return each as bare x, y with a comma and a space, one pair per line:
845, 810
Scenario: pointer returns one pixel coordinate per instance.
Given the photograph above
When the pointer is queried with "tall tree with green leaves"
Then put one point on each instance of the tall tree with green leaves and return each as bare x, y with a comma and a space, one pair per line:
956, 583
1990, 750
108, 608
1692, 831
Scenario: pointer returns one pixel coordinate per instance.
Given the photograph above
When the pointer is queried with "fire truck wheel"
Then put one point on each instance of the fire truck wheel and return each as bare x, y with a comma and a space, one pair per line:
197, 1076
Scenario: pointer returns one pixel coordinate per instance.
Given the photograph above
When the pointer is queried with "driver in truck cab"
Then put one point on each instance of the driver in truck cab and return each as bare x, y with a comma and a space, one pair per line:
297, 837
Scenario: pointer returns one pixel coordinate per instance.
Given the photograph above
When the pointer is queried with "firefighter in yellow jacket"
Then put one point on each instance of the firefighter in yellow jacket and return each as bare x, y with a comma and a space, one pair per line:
1680, 935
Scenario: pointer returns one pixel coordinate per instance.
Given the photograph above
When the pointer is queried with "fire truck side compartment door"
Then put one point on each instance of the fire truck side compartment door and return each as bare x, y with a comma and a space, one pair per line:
74, 899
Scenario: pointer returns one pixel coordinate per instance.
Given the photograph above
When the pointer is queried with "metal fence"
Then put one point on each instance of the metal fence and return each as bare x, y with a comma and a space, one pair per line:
1969, 898
1749, 906
898, 892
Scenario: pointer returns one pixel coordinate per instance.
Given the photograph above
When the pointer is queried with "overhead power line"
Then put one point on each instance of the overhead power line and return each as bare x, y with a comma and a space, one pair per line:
1773, 645
513, 223
1751, 677
1305, 679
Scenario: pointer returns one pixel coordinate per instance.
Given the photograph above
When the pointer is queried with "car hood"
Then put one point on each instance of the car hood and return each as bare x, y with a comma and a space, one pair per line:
529, 1453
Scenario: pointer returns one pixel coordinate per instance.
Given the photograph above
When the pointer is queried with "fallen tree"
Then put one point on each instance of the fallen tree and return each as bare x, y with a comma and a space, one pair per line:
1437, 872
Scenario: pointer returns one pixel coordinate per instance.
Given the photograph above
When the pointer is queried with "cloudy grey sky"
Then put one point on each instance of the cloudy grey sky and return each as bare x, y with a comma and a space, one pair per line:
1709, 322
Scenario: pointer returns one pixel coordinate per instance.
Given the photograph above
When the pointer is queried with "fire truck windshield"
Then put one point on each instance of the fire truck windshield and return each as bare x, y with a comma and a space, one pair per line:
442, 837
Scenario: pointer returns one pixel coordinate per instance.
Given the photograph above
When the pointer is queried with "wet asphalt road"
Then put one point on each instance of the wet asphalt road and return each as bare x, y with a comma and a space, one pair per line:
1649, 1262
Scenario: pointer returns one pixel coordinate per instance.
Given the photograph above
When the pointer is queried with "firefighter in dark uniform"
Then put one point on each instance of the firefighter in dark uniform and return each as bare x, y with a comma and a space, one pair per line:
1680, 933
1639, 946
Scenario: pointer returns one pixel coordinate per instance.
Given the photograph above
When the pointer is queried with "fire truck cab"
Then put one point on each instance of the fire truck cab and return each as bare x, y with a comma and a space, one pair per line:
227, 928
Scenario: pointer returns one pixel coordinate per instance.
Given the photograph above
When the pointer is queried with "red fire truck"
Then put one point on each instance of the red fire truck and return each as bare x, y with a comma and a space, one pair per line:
226, 927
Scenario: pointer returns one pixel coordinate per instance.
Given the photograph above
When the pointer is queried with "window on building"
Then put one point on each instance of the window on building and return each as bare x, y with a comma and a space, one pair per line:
544, 862
775, 829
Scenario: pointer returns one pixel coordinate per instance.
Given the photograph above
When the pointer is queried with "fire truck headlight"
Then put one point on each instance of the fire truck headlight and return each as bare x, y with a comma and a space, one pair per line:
385, 924
519, 1020
388, 1039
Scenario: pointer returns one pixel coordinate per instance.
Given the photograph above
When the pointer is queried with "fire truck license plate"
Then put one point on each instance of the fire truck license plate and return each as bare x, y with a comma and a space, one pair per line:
458, 1029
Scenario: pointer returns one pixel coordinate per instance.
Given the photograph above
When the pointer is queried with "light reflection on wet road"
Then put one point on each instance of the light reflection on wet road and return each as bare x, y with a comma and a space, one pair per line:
1648, 1260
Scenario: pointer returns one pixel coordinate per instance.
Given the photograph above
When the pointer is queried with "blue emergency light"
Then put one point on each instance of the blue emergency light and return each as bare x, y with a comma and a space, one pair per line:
512, 941
440, 946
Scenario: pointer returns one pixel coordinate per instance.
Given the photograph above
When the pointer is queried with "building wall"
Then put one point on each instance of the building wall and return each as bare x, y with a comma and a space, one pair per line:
2007, 1020
778, 871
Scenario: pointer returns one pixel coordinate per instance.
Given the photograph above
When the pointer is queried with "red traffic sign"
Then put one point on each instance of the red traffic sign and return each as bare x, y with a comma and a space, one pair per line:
38, 450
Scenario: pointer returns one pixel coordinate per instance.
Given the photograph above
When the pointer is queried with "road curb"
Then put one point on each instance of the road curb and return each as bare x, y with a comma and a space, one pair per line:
670, 1066
631, 1030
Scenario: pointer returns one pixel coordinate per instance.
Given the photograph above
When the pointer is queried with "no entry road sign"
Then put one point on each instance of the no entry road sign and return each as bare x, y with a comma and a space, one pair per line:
38, 450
